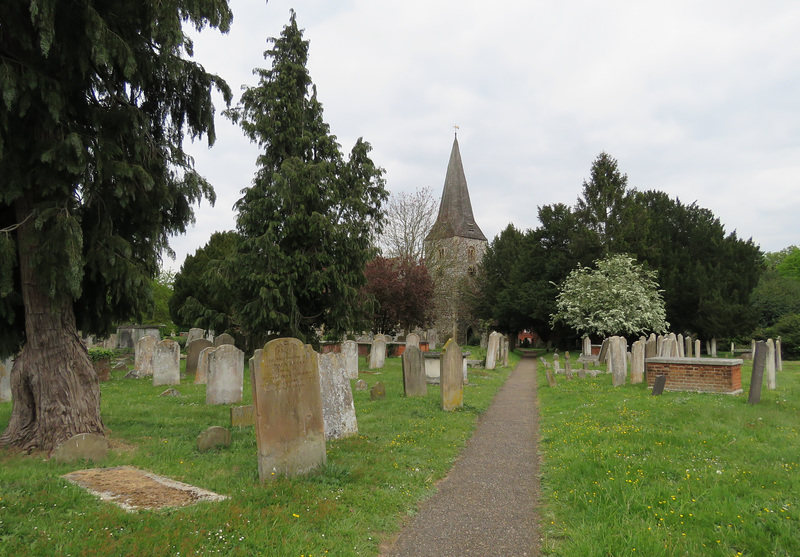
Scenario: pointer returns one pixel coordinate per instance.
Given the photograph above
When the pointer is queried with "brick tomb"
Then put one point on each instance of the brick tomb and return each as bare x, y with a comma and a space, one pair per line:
705, 375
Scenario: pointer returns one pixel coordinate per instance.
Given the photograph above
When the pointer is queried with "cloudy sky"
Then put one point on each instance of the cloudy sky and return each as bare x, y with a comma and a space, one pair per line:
700, 99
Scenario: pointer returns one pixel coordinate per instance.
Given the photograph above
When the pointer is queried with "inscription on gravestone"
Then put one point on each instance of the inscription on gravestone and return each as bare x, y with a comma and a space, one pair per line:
451, 377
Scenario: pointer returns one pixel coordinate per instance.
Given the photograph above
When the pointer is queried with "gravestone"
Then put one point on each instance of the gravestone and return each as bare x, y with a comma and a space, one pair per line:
660, 345
242, 416
492, 349
378, 391
361, 385
412, 340
290, 431
143, 355
770, 365
551, 378
415, 381
713, 348
603, 357
350, 351
338, 410
213, 437
506, 347
201, 373
637, 362
778, 355
88, 446
658, 385
193, 350
757, 375
697, 348
225, 375
681, 346
377, 354
433, 339
567, 366
194, 334
224, 338
650, 347
451, 376
687, 349
619, 348
167, 363
587, 346
582, 371
5, 379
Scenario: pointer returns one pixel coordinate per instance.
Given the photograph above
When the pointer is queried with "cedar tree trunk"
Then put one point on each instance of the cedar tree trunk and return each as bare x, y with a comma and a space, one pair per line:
54, 387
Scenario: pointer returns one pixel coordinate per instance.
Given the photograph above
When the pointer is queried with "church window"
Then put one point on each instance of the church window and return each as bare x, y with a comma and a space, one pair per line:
472, 254
471, 270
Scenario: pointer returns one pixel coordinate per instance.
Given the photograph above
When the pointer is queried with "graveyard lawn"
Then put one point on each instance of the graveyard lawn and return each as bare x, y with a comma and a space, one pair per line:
627, 473
371, 484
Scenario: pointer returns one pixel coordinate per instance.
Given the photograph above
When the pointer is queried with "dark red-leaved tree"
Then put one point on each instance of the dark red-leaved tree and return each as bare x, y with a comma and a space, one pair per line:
403, 290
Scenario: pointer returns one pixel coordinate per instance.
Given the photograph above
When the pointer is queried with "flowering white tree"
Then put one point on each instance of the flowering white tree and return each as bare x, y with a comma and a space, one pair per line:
619, 297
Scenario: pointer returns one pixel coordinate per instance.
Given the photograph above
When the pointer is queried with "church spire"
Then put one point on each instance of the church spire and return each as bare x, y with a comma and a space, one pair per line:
455, 212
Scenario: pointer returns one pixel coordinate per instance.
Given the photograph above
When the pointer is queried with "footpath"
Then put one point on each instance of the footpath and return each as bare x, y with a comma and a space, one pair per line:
486, 506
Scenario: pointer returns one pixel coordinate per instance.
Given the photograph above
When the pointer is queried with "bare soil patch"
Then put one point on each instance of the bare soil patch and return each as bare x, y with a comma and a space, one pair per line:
134, 489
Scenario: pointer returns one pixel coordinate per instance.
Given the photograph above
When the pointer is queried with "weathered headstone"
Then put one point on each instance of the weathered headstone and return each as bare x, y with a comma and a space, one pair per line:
143, 355
697, 345
361, 385
687, 349
213, 437
412, 340
201, 373
350, 351
681, 346
225, 375
167, 363
224, 338
5, 379
378, 391
583, 369
658, 385
338, 410
567, 366
587, 346
290, 431
757, 375
492, 350
651, 347
603, 357
770, 365
778, 355
433, 339
194, 334
193, 350
506, 347
377, 354
87, 446
713, 348
619, 348
551, 377
637, 362
451, 376
414, 378
242, 416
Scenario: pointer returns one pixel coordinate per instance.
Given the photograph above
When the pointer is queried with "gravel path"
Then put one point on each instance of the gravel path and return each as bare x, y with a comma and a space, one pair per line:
487, 504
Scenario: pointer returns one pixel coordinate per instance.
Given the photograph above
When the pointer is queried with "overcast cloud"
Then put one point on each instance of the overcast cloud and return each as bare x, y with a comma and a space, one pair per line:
695, 98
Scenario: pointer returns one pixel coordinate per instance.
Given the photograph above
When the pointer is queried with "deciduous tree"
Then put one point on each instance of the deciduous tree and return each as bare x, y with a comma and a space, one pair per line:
409, 218
403, 292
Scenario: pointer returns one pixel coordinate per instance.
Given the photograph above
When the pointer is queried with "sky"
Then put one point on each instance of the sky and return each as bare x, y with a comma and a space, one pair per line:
699, 99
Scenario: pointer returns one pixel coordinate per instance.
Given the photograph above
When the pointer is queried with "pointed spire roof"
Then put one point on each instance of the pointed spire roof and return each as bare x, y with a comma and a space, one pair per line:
455, 211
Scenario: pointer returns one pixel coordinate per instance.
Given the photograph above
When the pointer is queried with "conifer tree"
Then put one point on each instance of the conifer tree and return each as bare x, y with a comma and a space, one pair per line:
309, 220
96, 100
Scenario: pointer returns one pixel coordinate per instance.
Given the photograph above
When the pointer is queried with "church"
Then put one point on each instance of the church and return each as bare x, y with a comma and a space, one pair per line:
454, 248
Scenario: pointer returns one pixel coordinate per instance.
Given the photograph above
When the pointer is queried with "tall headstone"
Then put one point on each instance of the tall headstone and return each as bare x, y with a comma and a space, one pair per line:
225, 381
167, 363
412, 340
778, 355
5, 379
770, 365
713, 348
492, 350
143, 355
650, 347
681, 346
201, 373
451, 377
290, 431
603, 357
506, 348
224, 338
338, 409
350, 351
414, 378
377, 355
587, 346
660, 345
637, 362
757, 376
697, 345
687, 349
194, 334
619, 348
433, 339
193, 350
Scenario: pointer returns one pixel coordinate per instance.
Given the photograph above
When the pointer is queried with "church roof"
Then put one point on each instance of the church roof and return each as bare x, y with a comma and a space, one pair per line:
455, 211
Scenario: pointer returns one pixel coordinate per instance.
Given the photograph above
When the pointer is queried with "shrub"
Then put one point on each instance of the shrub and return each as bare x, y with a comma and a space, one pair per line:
788, 328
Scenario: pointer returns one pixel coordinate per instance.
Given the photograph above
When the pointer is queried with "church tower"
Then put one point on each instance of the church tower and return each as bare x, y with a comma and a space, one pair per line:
453, 250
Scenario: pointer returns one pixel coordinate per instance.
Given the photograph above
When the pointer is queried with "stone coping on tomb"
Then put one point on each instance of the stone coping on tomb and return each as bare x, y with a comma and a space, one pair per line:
696, 361
438, 354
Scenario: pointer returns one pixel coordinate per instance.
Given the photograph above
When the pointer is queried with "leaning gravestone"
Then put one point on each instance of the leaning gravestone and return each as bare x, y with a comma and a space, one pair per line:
167, 363
338, 410
603, 356
412, 340
193, 350
451, 377
225, 375
224, 338
658, 385
5, 379
194, 334
143, 355
414, 378
377, 354
290, 431
350, 351
201, 373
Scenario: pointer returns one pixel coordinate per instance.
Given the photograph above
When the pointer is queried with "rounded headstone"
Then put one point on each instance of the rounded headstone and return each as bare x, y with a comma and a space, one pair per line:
213, 437
88, 446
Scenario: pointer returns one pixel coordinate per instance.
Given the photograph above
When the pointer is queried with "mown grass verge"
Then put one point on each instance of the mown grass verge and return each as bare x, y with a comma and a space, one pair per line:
370, 483
626, 473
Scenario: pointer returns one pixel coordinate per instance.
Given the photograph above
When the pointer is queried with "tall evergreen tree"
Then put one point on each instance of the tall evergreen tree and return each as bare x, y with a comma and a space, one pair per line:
308, 221
96, 100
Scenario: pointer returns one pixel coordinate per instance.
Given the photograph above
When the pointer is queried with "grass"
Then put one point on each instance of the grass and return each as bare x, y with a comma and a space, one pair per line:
370, 484
626, 473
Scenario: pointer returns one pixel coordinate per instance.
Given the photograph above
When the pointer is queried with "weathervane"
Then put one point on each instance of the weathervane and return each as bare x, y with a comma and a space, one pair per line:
455, 127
